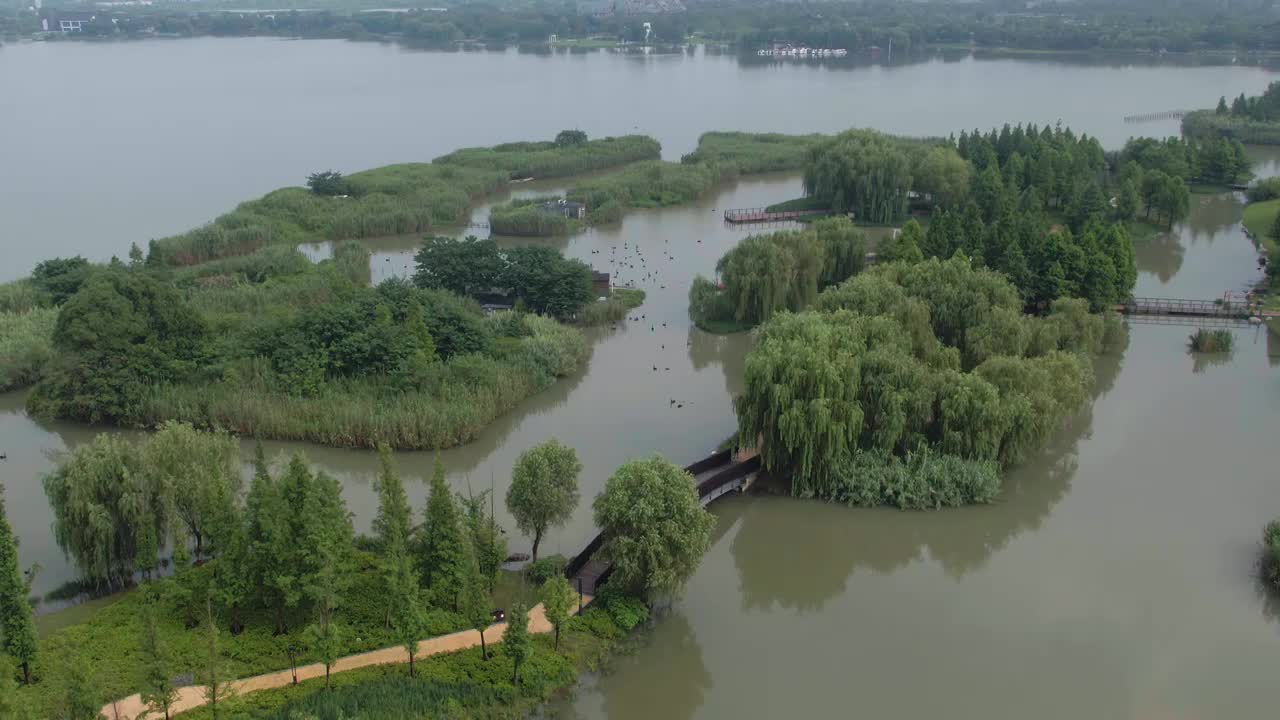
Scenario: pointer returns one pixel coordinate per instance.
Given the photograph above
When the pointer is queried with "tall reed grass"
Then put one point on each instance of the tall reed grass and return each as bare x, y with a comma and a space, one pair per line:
449, 406
26, 346
547, 160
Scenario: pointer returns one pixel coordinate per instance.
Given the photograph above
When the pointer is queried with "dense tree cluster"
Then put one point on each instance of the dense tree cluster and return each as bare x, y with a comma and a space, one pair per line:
766, 274
17, 629
117, 336
934, 356
1181, 26
540, 278
1261, 108
872, 175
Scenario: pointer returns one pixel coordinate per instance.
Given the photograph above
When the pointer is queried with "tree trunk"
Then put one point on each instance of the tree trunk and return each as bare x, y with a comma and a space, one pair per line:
26, 673
280, 619
199, 546
537, 540
515, 674
326, 676
484, 653
557, 637
411, 665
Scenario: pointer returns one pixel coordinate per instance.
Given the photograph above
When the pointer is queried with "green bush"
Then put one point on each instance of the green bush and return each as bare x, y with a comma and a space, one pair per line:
20, 296
543, 569
1263, 190
1271, 555
549, 159
26, 346
1205, 340
922, 480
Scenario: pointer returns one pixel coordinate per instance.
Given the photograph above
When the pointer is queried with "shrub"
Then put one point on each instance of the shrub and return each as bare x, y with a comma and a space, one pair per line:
26, 346
1263, 190
1271, 555
1204, 340
542, 569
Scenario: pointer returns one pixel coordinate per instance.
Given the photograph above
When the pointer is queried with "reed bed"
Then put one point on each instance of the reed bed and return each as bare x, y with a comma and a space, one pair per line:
548, 160
1211, 341
751, 153
26, 346
450, 406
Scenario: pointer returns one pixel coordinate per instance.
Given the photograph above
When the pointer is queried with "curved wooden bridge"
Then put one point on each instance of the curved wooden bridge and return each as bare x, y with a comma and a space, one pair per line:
716, 475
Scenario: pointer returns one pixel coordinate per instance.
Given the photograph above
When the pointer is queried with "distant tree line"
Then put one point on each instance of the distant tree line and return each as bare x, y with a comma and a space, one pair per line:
1147, 26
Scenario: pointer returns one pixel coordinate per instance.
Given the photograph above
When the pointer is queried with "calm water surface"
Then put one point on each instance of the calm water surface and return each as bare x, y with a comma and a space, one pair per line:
1113, 579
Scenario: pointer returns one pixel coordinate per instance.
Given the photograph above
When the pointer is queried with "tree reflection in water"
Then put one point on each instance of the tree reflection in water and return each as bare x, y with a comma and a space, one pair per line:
778, 541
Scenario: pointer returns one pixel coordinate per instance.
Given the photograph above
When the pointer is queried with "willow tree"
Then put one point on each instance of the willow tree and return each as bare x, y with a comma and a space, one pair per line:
656, 530
105, 507
863, 172
201, 472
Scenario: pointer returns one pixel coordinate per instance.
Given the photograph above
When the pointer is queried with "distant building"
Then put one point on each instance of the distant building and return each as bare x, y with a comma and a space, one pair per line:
600, 283
567, 208
65, 21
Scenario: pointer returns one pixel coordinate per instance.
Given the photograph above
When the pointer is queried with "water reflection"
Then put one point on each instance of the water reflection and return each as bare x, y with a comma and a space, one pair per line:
774, 536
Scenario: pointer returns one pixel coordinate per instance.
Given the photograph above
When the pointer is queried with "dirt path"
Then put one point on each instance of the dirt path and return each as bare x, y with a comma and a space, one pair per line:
189, 698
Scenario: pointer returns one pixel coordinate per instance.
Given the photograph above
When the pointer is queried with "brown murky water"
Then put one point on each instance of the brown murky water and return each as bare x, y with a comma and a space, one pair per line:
1113, 579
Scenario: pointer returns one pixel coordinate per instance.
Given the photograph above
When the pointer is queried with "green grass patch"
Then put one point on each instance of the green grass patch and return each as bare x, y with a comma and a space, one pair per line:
723, 327
549, 160
751, 153
526, 218
1259, 219
799, 205
1211, 341
612, 310
26, 346
1140, 230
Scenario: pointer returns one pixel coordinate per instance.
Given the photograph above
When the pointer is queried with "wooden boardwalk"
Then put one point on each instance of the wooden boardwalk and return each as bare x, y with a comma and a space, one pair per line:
744, 216
1152, 117
1225, 307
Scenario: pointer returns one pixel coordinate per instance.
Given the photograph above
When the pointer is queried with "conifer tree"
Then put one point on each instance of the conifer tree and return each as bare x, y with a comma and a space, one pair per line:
158, 693
516, 641
17, 630
475, 600
212, 669
407, 614
443, 544
557, 600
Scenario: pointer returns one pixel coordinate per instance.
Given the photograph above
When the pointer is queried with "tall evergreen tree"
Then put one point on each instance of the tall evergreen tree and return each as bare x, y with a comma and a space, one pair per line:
158, 691
394, 521
485, 535
516, 642
11, 707
326, 635
407, 614
443, 546
557, 600
17, 630
78, 696
267, 545
475, 600
212, 672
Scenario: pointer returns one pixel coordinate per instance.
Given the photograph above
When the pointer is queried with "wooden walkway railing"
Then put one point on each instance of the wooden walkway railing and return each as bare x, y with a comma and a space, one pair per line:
716, 476
742, 216
1151, 117
1227, 307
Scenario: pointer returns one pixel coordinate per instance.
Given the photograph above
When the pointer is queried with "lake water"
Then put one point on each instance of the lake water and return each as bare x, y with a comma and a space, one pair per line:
1114, 578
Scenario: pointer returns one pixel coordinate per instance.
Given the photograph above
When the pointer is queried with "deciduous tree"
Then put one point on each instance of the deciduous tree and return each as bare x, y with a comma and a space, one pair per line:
656, 530
544, 488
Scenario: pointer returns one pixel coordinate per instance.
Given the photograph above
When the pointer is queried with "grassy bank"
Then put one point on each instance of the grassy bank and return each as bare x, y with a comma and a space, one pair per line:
1259, 219
392, 200
525, 218
107, 641
613, 309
